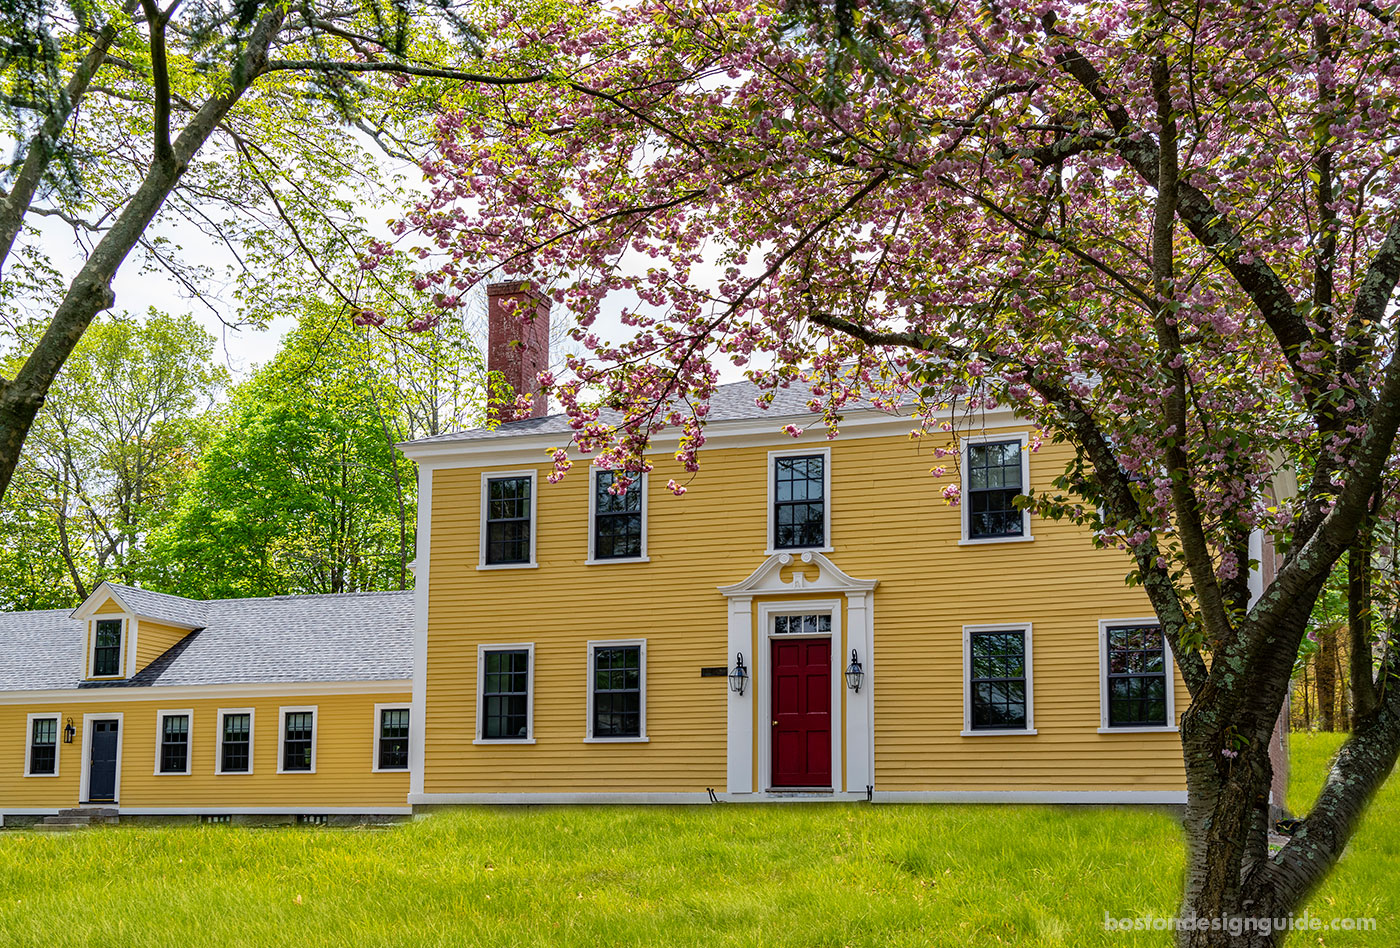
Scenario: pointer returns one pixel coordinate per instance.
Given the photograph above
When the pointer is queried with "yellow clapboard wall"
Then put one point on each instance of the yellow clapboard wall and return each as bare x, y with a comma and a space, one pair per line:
345, 748
889, 523
154, 639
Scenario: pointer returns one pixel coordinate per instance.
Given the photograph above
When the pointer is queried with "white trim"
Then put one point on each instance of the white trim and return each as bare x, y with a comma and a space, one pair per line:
639, 484
1024, 438
481, 650
286, 689
282, 734
731, 433
1097, 797
825, 452
57, 741
366, 810
739, 709
122, 650
189, 742
85, 776
422, 578
763, 686
219, 741
487, 476
555, 799
1169, 667
767, 578
593, 645
379, 710
967, 729
1092, 797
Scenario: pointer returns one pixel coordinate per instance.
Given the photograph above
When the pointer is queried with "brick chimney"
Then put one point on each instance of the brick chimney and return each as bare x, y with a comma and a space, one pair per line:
517, 344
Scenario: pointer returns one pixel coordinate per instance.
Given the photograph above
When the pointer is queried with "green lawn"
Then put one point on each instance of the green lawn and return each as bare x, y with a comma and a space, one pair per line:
704, 876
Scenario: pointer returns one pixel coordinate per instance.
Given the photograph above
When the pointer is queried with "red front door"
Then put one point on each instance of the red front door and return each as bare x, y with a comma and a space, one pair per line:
802, 713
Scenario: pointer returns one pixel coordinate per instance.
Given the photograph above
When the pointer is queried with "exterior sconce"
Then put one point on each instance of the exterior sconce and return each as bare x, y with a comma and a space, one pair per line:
855, 674
738, 675
69, 731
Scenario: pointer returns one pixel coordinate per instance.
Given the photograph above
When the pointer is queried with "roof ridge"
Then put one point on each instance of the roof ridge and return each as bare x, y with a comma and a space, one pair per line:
285, 596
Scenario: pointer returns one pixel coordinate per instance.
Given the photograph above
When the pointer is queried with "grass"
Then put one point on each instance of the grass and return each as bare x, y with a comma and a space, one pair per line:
793, 875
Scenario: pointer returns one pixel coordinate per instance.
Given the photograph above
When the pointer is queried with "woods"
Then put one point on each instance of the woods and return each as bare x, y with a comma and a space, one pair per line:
147, 467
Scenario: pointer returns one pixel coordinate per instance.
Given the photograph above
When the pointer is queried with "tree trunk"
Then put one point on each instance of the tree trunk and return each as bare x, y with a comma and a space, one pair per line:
1327, 678
1359, 629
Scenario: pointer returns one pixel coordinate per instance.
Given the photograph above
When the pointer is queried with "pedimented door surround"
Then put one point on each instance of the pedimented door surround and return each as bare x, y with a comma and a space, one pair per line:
766, 585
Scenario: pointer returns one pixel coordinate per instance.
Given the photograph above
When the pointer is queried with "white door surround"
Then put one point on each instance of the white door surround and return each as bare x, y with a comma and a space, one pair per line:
748, 713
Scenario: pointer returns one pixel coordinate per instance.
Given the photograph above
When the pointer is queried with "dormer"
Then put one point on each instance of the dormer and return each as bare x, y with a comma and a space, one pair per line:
126, 628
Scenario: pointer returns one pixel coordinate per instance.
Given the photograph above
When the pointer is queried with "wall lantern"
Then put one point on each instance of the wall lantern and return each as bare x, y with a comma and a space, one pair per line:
738, 675
69, 731
855, 674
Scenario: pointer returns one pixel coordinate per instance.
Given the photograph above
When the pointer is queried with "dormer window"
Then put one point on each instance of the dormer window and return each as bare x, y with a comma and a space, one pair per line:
106, 648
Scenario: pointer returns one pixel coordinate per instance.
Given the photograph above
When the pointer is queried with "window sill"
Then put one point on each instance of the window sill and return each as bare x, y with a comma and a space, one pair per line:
388, 770
983, 541
1147, 729
491, 743
281, 771
233, 773
172, 773
1026, 732
41, 775
799, 550
608, 561
531, 565
617, 740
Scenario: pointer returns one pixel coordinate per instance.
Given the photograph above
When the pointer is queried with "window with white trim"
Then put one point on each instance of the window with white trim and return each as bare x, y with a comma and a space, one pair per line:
173, 749
296, 741
997, 680
617, 690
799, 499
505, 676
107, 648
234, 754
618, 528
1136, 676
391, 738
995, 471
509, 517
41, 758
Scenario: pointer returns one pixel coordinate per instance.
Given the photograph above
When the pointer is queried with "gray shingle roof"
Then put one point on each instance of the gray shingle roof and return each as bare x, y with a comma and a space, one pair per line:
736, 401
349, 637
162, 606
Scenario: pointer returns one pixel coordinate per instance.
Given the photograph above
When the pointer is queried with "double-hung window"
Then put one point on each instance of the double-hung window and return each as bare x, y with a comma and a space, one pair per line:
43, 746
173, 754
998, 679
994, 476
106, 648
1136, 681
619, 520
236, 742
298, 739
391, 739
617, 690
505, 676
508, 513
800, 519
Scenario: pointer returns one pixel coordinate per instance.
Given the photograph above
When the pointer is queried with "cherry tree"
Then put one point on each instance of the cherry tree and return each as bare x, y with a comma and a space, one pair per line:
1167, 233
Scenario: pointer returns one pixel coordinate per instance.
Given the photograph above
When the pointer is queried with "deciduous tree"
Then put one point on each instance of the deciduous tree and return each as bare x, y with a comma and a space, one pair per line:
1166, 232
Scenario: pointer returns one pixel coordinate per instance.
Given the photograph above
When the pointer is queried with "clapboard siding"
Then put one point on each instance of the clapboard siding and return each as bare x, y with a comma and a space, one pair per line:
154, 639
889, 522
345, 729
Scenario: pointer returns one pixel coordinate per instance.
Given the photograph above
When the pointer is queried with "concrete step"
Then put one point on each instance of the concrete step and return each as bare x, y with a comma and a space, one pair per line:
57, 827
89, 811
67, 821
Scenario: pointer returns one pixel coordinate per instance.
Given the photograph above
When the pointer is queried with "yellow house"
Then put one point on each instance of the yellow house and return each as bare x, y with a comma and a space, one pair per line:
153, 705
810, 620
